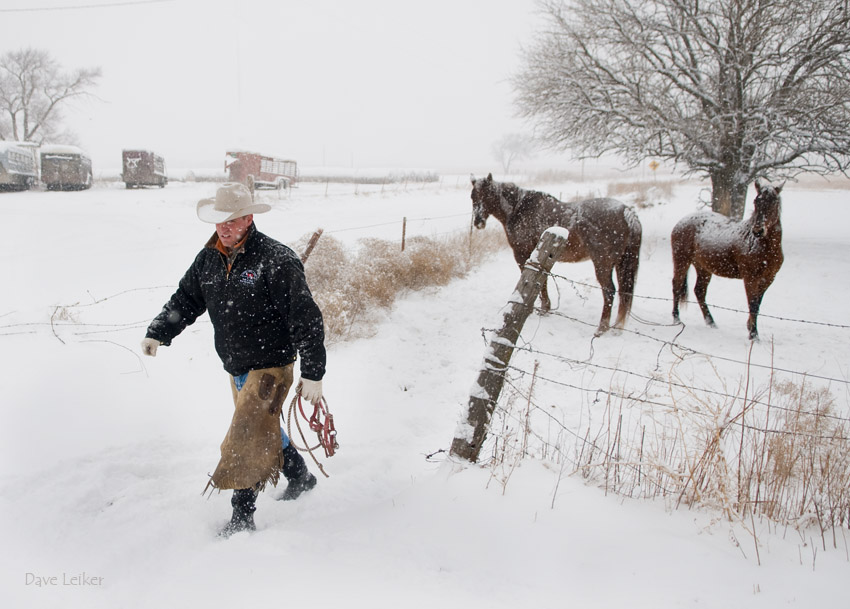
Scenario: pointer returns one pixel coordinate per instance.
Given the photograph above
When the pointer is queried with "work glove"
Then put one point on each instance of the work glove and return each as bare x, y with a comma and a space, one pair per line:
310, 390
149, 346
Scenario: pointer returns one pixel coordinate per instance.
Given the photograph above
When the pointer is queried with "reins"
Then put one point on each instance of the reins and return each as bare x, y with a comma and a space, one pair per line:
321, 422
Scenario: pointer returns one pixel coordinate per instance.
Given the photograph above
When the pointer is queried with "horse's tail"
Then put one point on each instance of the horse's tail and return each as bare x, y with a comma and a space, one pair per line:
627, 267
682, 248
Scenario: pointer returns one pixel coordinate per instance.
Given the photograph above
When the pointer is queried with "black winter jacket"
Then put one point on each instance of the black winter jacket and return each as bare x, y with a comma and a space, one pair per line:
262, 311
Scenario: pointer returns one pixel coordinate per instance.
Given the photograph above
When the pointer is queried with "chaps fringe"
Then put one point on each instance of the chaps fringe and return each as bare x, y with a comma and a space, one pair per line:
251, 452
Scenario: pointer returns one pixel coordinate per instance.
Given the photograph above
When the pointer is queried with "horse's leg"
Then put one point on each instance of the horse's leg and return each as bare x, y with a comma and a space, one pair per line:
680, 286
754, 296
606, 281
682, 259
700, 290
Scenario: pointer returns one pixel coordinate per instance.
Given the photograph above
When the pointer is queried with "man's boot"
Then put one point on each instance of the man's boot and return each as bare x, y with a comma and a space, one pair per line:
244, 505
296, 473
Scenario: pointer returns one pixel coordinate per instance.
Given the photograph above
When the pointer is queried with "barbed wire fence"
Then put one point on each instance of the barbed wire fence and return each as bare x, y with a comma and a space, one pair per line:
94, 318
61, 316
774, 446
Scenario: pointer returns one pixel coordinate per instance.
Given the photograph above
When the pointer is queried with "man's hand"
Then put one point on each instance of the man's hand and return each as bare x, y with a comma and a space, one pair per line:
149, 346
310, 390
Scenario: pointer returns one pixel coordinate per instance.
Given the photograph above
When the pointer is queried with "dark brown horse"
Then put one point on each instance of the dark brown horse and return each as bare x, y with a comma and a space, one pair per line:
750, 250
602, 230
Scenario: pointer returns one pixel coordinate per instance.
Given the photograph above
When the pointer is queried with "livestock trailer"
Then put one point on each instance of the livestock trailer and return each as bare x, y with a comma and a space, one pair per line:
65, 168
18, 168
143, 168
259, 170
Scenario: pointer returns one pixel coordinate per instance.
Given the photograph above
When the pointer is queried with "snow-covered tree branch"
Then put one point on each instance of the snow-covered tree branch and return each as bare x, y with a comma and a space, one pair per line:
731, 89
32, 89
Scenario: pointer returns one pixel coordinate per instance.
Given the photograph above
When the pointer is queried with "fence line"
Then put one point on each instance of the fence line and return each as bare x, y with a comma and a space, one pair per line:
776, 452
649, 402
713, 306
613, 394
95, 301
581, 439
649, 472
739, 414
352, 228
653, 380
693, 351
740, 485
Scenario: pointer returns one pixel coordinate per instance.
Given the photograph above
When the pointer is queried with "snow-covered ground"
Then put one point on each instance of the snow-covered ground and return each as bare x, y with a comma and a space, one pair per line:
105, 455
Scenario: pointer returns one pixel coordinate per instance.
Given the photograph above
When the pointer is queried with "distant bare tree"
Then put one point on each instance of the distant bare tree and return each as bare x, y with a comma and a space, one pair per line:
731, 89
513, 147
32, 89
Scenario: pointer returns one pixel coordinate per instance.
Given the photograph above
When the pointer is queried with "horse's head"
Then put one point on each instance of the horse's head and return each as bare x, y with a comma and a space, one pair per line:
482, 193
768, 206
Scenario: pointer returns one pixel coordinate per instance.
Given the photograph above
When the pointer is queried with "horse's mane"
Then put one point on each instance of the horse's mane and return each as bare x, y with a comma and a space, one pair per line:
514, 199
510, 190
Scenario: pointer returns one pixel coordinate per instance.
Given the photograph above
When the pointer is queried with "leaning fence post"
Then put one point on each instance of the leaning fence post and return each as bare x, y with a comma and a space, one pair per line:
311, 244
472, 431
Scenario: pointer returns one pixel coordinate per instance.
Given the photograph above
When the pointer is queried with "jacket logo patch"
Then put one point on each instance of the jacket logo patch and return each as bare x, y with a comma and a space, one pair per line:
249, 277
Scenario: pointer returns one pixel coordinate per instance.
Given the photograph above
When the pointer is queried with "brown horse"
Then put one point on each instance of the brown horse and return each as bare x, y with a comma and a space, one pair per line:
602, 230
750, 250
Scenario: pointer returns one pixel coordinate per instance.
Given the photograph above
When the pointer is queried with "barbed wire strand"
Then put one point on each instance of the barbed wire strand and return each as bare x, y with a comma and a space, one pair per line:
713, 306
633, 398
583, 440
654, 380
692, 351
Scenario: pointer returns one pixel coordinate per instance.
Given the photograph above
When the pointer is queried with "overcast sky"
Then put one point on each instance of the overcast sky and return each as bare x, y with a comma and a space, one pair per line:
357, 83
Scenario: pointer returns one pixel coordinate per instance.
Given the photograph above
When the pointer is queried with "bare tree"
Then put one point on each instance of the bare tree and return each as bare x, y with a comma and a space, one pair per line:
32, 90
513, 147
731, 89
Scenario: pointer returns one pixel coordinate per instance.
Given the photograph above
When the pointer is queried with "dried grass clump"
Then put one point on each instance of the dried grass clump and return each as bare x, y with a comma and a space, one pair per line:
327, 271
353, 287
377, 271
805, 463
784, 455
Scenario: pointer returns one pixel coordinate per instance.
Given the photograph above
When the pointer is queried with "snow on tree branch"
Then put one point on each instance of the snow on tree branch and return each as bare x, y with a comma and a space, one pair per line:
730, 89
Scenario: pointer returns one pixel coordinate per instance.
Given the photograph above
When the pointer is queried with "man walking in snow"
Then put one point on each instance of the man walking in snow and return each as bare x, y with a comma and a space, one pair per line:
263, 316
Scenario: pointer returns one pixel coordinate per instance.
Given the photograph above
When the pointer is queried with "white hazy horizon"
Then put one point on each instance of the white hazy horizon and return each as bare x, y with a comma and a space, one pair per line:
333, 83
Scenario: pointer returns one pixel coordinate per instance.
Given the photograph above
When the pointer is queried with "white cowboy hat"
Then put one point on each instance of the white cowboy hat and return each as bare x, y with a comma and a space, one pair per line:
232, 200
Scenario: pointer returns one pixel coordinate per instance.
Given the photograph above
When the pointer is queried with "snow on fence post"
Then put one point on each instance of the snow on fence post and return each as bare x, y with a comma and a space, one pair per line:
471, 432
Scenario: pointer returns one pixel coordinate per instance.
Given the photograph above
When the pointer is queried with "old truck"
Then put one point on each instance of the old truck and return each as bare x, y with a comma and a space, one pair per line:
143, 168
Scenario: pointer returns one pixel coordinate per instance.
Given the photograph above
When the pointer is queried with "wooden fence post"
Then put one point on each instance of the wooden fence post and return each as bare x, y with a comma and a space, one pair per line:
311, 244
471, 433
403, 232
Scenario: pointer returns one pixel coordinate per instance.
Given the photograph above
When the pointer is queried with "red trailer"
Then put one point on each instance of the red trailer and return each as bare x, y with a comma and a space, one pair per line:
259, 170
